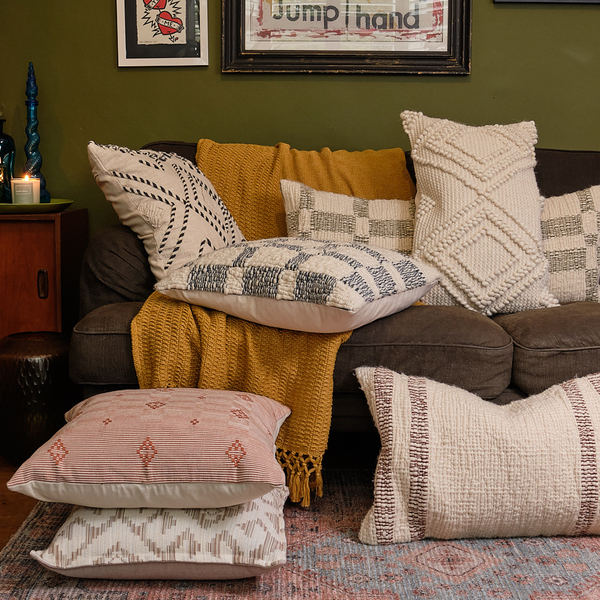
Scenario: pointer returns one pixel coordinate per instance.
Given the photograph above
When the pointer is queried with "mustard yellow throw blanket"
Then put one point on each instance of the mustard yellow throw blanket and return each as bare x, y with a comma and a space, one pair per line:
179, 345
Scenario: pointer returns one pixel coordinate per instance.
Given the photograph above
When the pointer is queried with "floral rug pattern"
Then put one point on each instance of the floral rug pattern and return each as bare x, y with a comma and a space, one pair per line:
327, 562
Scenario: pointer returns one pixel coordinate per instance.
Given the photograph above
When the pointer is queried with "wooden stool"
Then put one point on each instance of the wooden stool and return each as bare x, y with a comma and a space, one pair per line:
35, 391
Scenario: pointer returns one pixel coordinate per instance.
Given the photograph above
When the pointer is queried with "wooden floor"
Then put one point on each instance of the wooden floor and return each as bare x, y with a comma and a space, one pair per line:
13, 507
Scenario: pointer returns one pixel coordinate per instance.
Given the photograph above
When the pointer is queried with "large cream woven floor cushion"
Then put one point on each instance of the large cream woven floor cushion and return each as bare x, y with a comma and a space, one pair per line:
455, 466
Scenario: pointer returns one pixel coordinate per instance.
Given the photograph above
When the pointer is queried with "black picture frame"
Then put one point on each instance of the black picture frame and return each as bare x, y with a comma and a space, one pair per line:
455, 58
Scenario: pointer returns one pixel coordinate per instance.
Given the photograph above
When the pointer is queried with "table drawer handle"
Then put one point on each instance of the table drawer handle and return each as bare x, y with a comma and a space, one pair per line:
42, 283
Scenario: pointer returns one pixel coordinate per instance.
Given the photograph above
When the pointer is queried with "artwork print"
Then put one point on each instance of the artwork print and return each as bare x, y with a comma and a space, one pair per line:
162, 33
355, 25
161, 22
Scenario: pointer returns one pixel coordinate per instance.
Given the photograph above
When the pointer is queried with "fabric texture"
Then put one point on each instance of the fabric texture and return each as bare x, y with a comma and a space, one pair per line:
176, 344
316, 215
169, 203
233, 542
570, 236
455, 466
479, 214
306, 285
163, 448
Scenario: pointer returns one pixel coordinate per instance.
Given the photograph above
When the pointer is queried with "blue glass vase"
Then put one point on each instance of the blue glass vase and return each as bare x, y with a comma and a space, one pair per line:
7, 163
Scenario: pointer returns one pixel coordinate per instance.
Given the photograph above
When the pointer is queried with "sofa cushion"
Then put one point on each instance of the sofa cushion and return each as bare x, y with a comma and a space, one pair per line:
316, 215
159, 448
305, 285
570, 236
244, 540
100, 349
167, 201
478, 214
446, 343
554, 344
454, 466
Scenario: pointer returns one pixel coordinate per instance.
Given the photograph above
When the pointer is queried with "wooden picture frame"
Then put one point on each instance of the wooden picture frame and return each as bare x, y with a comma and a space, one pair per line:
153, 33
347, 36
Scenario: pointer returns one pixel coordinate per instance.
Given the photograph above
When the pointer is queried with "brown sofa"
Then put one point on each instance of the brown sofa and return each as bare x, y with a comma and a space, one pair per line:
500, 359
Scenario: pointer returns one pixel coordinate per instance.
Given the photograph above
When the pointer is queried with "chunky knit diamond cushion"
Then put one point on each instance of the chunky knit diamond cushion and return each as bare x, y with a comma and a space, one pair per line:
455, 466
164, 448
244, 540
570, 234
315, 215
167, 201
479, 213
306, 285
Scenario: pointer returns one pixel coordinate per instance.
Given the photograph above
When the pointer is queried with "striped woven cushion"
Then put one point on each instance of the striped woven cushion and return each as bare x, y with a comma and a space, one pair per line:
164, 448
314, 215
307, 285
455, 466
570, 237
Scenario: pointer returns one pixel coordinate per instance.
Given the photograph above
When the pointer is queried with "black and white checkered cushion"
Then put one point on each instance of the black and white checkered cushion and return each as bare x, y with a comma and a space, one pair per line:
307, 285
570, 237
167, 201
316, 215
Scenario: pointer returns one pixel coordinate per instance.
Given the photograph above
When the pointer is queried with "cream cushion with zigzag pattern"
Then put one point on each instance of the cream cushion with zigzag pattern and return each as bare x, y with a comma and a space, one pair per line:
478, 217
244, 540
169, 203
455, 466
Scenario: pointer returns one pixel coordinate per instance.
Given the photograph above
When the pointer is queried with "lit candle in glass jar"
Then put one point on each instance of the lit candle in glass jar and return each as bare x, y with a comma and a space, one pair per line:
25, 190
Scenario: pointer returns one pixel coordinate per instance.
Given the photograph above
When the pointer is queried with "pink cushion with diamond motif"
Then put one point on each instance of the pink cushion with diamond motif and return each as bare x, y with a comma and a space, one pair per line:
165, 448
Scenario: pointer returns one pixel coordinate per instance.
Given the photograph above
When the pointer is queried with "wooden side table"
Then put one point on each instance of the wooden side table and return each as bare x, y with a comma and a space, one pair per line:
40, 261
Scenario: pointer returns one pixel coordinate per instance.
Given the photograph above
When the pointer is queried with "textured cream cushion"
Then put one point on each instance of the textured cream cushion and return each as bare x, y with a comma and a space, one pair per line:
164, 448
479, 213
159, 543
169, 203
314, 215
303, 285
455, 466
570, 235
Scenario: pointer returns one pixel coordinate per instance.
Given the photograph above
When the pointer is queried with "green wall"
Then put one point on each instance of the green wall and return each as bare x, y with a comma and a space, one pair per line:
536, 62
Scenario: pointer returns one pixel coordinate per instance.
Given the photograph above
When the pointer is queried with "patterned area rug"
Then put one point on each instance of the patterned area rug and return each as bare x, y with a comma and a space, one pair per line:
327, 562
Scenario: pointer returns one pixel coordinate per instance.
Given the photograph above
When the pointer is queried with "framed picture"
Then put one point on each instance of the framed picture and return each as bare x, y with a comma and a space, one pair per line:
347, 36
153, 33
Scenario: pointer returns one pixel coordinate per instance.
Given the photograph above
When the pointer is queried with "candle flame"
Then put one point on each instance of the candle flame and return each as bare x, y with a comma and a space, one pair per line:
26, 177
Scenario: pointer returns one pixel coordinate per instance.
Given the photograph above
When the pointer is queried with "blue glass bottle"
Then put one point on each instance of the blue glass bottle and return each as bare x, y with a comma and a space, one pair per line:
7, 163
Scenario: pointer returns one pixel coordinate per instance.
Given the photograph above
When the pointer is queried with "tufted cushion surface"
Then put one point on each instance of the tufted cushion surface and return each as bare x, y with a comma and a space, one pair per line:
552, 345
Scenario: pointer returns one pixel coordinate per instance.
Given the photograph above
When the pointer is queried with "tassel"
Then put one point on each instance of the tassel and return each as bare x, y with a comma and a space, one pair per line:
303, 474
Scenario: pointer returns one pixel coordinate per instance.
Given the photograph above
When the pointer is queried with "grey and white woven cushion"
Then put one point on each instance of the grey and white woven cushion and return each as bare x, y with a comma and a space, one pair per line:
243, 540
479, 214
169, 203
455, 466
315, 215
570, 235
305, 285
